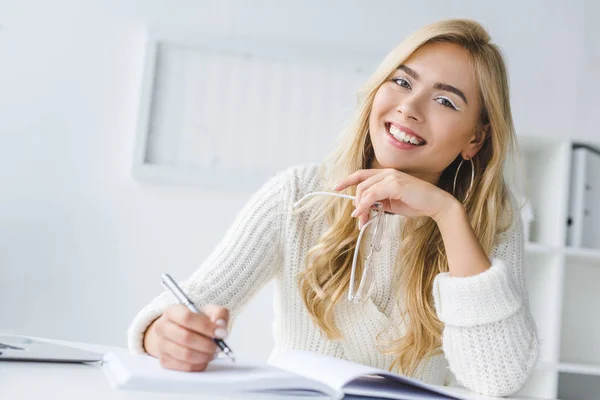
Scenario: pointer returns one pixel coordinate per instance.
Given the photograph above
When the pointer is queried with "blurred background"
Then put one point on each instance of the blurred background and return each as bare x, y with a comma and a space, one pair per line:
84, 239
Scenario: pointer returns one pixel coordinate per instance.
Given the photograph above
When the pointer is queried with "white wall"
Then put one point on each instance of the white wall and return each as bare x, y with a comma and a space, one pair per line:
82, 245
589, 105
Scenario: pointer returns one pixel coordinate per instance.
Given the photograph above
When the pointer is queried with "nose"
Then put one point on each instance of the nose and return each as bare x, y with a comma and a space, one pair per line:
411, 107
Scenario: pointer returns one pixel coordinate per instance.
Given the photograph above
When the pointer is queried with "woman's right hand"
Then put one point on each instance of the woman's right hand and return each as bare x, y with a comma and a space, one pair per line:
182, 340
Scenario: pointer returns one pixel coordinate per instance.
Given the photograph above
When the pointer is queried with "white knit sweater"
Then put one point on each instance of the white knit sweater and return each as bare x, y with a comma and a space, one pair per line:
489, 340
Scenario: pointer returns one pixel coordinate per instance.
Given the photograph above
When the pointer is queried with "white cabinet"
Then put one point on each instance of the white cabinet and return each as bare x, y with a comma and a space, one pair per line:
563, 282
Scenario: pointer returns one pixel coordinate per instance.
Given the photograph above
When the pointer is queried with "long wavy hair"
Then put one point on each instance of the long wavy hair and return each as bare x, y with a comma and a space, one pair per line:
326, 277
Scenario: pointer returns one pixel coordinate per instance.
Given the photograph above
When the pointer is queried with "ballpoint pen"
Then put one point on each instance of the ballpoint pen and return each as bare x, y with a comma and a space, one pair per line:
176, 291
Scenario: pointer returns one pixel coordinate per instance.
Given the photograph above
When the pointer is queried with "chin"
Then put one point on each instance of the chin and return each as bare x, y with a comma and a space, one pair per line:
387, 161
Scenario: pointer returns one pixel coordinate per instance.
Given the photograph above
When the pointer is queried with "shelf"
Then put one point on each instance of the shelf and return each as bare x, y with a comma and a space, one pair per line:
538, 248
562, 281
573, 254
584, 369
582, 254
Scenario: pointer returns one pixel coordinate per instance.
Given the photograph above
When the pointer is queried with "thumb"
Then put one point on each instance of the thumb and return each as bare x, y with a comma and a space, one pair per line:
219, 315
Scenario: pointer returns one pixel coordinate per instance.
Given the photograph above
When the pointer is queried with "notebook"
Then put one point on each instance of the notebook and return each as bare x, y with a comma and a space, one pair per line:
298, 374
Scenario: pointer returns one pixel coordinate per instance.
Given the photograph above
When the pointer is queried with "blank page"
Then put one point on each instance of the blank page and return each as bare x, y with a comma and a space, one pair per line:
126, 370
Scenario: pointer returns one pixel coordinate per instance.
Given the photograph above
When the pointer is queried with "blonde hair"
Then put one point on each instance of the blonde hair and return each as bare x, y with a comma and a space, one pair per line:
326, 277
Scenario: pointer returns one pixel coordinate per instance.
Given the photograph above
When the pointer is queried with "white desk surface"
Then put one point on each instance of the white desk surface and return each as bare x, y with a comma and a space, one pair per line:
33, 381
44, 381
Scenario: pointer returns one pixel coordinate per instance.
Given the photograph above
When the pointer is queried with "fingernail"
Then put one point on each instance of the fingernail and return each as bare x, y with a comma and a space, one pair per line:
221, 322
216, 355
359, 225
220, 333
334, 187
353, 214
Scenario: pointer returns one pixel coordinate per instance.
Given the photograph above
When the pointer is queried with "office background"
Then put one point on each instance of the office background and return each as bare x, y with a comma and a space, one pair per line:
83, 244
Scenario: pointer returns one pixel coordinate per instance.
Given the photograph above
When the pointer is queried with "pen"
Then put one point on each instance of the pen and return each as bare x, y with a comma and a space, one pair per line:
176, 291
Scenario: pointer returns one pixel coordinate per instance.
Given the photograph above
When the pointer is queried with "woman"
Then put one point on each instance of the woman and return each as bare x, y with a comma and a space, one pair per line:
427, 146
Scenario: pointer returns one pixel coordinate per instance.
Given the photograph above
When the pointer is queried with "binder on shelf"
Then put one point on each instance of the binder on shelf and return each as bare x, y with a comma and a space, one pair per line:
583, 225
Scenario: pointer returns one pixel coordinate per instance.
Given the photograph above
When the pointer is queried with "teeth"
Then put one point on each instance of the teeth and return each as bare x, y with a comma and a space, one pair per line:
403, 136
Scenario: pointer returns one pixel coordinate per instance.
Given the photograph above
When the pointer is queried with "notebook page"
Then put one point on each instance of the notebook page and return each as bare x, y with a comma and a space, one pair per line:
341, 374
130, 371
332, 371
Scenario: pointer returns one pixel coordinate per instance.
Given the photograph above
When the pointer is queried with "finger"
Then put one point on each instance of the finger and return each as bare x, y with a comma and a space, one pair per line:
199, 323
382, 190
362, 220
355, 178
187, 338
185, 354
219, 315
366, 184
169, 362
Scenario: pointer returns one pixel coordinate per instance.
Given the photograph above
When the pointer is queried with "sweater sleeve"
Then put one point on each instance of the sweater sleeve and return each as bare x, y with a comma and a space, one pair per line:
489, 336
242, 263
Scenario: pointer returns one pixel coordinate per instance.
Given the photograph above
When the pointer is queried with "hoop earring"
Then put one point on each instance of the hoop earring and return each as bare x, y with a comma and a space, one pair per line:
472, 179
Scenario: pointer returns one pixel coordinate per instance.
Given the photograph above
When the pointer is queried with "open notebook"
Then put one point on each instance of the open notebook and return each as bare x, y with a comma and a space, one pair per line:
294, 373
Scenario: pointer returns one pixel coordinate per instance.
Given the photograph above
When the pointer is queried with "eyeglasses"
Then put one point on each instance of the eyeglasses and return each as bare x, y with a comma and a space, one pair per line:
360, 291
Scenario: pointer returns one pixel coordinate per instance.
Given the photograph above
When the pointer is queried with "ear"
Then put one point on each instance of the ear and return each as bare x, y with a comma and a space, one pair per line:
476, 142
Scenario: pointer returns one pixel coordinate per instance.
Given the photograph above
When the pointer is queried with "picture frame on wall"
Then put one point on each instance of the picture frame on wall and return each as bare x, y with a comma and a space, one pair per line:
221, 112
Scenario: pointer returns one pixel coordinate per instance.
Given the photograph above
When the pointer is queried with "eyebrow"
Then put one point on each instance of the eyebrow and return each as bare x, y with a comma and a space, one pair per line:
438, 85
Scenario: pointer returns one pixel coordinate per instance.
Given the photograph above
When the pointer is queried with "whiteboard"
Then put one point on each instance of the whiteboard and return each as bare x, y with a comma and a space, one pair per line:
221, 112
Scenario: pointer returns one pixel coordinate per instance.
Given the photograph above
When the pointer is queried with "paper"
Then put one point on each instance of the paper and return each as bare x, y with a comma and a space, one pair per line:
330, 370
129, 371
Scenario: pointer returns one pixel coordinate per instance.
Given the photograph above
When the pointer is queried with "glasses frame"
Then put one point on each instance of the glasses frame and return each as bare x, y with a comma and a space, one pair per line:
365, 286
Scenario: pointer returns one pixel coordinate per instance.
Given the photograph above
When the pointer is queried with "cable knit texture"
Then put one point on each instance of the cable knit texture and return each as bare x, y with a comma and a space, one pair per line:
489, 340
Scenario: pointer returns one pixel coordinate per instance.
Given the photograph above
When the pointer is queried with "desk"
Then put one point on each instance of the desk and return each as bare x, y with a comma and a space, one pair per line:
33, 381
44, 381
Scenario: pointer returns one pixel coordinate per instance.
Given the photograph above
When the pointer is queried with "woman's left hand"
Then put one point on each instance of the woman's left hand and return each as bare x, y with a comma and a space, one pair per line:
399, 192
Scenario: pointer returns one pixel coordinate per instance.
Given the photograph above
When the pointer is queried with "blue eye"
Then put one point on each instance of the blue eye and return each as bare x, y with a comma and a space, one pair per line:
402, 82
446, 102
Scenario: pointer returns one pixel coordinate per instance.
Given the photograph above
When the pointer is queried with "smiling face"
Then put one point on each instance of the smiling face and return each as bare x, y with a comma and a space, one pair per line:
427, 112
